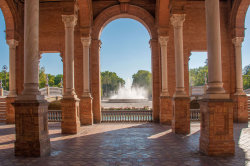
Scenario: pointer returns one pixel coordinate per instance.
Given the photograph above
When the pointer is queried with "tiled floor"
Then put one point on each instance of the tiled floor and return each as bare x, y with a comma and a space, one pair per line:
126, 144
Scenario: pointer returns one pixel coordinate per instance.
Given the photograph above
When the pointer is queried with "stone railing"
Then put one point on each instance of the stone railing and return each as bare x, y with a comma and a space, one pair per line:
247, 91
127, 116
51, 91
194, 114
197, 90
123, 115
54, 115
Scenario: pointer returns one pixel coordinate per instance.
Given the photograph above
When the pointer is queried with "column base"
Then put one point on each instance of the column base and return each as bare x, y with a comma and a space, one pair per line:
70, 116
216, 137
166, 110
86, 113
240, 112
181, 115
31, 119
10, 110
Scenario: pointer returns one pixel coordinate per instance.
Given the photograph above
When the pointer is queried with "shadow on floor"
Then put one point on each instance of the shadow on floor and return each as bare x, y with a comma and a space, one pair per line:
131, 144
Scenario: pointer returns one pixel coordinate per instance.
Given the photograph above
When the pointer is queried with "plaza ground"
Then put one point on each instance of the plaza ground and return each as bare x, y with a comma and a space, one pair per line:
126, 144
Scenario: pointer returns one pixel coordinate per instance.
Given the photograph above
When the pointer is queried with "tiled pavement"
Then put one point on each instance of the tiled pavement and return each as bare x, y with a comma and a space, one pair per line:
126, 144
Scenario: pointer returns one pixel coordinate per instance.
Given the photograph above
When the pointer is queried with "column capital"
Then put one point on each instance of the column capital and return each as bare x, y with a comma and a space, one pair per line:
86, 41
237, 41
177, 20
163, 40
12, 43
69, 20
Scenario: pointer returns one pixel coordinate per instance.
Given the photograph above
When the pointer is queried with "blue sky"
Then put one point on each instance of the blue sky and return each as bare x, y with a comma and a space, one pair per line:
125, 49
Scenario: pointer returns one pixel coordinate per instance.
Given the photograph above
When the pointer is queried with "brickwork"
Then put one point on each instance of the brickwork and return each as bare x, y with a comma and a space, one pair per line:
86, 112
240, 112
31, 119
216, 137
156, 19
10, 111
166, 110
181, 115
95, 79
70, 116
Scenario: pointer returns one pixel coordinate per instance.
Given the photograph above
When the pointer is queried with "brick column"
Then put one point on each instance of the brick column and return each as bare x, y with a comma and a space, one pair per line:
240, 98
181, 112
70, 102
96, 79
154, 44
31, 110
216, 108
86, 113
10, 112
165, 99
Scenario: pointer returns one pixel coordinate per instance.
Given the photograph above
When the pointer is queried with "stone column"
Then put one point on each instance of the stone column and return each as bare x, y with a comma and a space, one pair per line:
216, 109
86, 114
177, 21
30, 108
165, 99
215, 85
181, 115
240, 98
10, 112
96, 79
238, 65
12, 65
70, 102
69, 21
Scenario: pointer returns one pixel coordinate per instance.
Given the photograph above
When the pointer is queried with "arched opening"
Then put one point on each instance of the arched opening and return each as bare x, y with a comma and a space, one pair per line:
108, 15
198, 75
51, 83
126, 78
4, 63
245, 55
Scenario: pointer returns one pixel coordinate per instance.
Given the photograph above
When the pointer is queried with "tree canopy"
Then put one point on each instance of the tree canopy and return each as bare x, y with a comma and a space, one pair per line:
143, 79
53, 81
110, 83
4, 76
197, 75
246, 77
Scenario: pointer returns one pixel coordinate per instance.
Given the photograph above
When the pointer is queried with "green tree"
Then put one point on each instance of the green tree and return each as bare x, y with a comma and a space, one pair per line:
51, 80
197, 75
4, 76
246, 77
143, 79
57, 81
110, 82
42, 78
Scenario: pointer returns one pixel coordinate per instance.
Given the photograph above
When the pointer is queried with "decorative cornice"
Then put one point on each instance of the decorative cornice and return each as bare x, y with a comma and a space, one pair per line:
177, 20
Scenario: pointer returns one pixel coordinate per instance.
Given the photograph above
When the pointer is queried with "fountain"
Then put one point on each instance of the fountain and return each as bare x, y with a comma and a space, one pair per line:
129, 94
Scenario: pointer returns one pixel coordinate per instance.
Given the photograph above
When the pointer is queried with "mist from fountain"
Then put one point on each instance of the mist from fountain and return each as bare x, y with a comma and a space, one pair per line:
129, 92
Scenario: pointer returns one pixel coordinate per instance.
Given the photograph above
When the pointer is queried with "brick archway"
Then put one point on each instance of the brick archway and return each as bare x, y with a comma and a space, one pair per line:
108, 15
238, 16
9, 19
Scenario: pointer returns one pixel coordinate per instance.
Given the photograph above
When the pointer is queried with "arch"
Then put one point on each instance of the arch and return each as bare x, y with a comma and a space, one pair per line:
9, 19
105, 17
115, 12
238, 15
